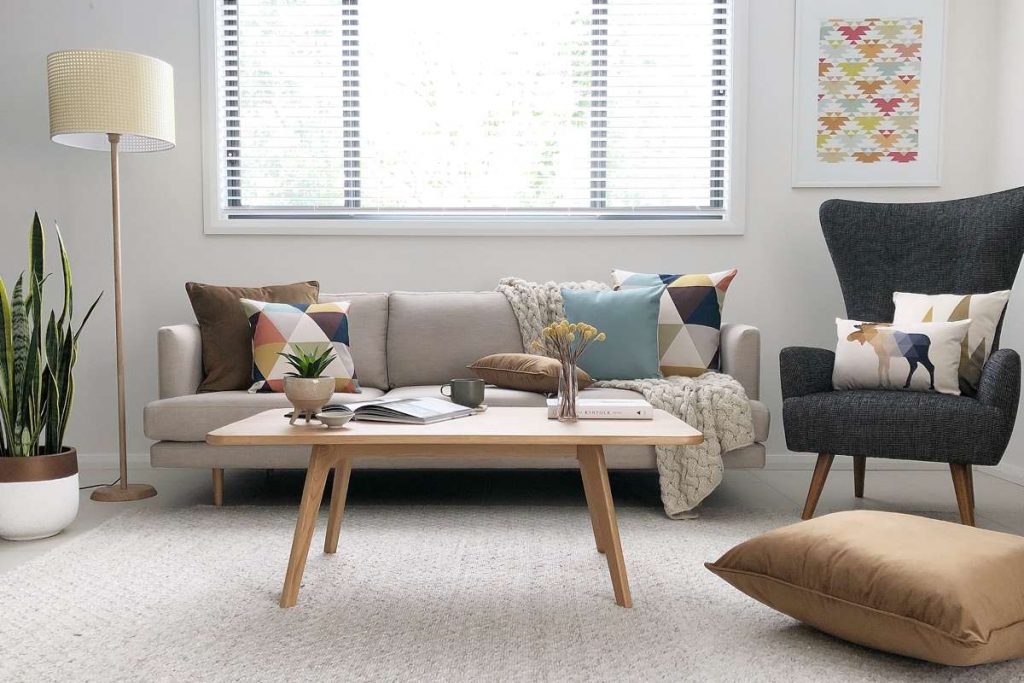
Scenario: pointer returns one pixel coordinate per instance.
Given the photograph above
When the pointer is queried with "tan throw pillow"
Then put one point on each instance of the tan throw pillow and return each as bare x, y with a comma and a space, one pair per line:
523, 371
224, 329
942, 592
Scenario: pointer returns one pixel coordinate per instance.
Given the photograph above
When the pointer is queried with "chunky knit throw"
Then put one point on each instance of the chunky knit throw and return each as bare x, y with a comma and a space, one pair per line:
713, 403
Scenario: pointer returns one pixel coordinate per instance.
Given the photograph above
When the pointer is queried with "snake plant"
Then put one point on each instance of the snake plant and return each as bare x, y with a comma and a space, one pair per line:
37, 356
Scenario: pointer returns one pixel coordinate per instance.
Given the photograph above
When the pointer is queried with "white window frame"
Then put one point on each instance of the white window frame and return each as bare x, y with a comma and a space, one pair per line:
733, 222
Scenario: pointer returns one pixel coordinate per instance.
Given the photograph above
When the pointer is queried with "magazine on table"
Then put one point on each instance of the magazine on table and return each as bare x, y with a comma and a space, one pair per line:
419, 411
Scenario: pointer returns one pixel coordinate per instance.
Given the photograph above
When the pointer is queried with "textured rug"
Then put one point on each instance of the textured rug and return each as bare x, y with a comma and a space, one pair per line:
415, 593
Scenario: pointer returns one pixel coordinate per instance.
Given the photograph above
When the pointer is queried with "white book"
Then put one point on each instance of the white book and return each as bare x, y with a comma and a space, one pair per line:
607, 409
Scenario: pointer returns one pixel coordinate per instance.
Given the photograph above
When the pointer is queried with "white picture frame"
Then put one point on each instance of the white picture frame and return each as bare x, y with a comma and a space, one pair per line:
872, 76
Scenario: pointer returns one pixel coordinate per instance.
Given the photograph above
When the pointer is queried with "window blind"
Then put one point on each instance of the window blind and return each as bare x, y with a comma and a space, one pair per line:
357, 108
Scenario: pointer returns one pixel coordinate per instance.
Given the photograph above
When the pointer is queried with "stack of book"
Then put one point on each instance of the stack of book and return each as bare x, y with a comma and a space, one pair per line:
607, 409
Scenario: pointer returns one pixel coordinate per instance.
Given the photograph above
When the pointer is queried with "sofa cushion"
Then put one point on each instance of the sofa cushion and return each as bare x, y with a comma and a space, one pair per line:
433, 336
367, 334
189, 418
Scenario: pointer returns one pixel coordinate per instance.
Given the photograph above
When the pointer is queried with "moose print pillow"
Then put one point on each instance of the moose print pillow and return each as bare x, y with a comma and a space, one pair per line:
911, 356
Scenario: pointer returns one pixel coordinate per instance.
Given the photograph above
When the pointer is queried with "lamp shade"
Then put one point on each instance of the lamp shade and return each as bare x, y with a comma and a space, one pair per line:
97, 92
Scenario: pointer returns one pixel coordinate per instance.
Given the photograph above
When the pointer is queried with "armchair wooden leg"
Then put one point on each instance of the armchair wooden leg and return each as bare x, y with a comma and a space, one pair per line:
963, 485
970, 483
821, 469
859, 466
218, 486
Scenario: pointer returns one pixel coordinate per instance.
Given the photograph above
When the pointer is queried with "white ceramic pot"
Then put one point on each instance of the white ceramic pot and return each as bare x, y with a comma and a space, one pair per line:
38, 495
308, 395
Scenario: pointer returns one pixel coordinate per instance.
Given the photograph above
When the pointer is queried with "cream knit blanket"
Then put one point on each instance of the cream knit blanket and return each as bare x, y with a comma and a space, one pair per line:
713, 403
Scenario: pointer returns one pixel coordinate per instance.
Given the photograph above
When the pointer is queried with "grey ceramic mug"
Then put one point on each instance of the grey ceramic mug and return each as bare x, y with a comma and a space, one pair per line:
465, 392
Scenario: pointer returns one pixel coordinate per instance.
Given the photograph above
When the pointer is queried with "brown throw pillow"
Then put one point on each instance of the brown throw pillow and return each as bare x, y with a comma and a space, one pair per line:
523, 371
919, 587
224, 329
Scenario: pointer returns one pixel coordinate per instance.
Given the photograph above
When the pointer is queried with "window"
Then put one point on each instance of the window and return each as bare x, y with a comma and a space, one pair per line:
385, 116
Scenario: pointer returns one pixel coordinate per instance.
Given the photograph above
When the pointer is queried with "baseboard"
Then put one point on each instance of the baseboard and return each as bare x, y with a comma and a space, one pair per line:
1006, 472
805, 461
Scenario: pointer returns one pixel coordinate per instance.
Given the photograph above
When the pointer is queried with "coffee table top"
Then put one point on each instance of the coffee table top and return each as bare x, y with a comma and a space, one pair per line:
499, 426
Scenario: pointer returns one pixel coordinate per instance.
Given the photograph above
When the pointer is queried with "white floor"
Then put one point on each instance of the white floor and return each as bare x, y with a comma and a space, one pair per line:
1000, 504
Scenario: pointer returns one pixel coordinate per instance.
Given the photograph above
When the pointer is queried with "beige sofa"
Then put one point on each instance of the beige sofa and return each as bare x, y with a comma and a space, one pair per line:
403, 344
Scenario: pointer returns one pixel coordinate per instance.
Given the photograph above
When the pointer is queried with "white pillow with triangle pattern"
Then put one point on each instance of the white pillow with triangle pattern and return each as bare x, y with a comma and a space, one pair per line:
983, 310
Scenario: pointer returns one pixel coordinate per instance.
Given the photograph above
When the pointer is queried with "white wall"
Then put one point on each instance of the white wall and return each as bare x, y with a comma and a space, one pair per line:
1007, 163
786, 284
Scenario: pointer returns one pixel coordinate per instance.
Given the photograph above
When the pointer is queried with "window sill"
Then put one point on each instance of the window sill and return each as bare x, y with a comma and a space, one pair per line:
492, 227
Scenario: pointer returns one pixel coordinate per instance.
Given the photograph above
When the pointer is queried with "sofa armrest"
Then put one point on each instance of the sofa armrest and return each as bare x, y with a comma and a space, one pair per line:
805, 370
999, 386
741, 356
180, 360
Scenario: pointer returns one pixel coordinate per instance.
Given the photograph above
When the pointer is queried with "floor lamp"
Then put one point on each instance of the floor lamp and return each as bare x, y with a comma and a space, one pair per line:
120, 101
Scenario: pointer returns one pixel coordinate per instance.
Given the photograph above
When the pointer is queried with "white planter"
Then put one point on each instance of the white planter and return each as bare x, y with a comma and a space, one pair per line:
308, 395
38, 496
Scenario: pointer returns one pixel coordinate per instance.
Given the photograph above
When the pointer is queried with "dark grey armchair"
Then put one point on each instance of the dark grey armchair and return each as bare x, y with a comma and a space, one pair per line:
955, 247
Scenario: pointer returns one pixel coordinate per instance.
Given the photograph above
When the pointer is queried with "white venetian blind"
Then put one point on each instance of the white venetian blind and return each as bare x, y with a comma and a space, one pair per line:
565, 107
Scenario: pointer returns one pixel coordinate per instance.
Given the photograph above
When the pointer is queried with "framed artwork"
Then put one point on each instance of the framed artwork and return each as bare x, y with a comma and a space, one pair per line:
868, 92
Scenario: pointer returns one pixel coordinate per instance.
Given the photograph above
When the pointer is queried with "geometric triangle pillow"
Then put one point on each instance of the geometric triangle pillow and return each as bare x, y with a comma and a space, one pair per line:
690, 319
280, 328
985, 311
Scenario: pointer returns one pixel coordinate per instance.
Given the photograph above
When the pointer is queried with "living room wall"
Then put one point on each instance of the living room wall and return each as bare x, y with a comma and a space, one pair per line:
786, 285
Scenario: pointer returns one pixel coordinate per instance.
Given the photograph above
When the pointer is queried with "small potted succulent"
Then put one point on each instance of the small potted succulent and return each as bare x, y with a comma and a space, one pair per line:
38, 472
307, 388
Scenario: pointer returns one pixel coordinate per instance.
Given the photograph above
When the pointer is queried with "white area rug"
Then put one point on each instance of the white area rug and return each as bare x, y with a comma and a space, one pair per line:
415, 593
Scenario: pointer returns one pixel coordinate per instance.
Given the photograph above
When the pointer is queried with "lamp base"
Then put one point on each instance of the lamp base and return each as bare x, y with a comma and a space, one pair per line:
117, 494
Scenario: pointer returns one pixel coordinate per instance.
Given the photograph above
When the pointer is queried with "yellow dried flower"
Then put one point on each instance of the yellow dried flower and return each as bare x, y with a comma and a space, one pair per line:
602, 337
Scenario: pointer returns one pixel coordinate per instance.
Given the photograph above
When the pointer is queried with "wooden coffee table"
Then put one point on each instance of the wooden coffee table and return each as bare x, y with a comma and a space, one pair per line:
496, 433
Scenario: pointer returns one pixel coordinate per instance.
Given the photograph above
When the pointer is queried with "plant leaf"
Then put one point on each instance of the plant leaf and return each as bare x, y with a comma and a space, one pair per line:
87, 315
65, 262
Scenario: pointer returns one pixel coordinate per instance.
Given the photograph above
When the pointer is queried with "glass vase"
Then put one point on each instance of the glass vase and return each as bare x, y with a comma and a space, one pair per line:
568, 389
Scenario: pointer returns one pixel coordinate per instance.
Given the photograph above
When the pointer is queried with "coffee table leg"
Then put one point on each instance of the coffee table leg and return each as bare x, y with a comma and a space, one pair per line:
602, 506
339, 491
591, 490
320, 462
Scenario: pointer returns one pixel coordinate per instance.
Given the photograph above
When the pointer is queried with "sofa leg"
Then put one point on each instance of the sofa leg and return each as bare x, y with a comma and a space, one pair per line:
218, 486
963, 486
821, 469
859, 466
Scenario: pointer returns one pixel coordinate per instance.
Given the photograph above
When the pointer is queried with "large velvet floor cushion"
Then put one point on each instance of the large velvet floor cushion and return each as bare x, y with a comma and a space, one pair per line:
914, 586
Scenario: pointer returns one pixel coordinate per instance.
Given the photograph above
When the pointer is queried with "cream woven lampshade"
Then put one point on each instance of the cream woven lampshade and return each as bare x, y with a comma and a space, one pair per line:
96, 92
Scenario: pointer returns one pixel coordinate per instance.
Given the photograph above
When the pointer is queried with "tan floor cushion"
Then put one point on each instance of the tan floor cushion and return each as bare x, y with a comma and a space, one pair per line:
937, 591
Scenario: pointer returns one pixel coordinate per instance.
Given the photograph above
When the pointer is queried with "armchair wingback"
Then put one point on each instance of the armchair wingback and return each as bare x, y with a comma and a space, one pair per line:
961, 246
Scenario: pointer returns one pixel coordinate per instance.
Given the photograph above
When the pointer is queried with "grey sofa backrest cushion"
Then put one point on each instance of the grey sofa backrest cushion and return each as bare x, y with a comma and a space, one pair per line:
368, 333
433, 336
963, 246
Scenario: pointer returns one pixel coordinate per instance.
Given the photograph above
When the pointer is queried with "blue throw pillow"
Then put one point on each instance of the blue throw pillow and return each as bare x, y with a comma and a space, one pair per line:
629, 318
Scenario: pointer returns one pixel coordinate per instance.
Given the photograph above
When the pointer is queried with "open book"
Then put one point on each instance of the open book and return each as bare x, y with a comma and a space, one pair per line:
418, 411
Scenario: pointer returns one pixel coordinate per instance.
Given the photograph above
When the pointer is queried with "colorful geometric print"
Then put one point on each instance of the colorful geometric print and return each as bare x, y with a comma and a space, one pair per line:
869, 90
690, 319
280, 328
